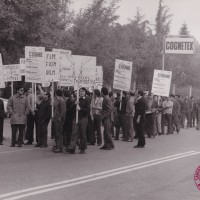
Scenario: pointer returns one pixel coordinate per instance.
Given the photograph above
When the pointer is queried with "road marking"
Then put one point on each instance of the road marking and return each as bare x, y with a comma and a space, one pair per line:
93, 177
19, 150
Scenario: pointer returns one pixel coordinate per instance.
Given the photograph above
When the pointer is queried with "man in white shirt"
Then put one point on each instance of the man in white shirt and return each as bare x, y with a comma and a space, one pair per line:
167, 114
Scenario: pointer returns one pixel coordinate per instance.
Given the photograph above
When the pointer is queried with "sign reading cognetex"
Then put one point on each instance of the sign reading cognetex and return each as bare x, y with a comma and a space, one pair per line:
179, 45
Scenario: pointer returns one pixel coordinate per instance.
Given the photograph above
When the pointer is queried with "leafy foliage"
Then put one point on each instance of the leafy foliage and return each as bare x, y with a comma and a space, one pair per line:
94, 31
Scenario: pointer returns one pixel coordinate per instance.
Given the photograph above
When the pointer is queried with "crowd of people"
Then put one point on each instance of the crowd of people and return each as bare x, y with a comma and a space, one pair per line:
78, 121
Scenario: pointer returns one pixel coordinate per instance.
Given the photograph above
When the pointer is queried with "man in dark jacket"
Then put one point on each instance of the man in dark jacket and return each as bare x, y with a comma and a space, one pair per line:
106, 119
2, 115
139, 119
79, 128
44, 116
59, 119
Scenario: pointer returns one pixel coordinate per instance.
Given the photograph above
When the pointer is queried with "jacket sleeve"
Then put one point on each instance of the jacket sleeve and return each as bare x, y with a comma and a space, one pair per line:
48, 114
107, 111
10, 106
27, 107
63, 110
2, 111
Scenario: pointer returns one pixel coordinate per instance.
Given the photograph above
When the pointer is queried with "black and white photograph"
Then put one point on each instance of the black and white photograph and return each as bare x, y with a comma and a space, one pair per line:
99, 100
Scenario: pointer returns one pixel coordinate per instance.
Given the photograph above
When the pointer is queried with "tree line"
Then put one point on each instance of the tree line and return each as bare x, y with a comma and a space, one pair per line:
94, 31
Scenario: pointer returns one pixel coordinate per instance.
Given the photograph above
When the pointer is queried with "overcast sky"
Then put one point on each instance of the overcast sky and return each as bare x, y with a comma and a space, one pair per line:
187, 11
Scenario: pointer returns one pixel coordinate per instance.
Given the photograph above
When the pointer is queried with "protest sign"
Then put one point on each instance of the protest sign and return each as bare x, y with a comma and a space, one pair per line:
161, 83
12, 73
35, 68
66, 68
1, 62
84, 70
2, 83
98, 83
179, 45
122, 75
22, 66
52, 66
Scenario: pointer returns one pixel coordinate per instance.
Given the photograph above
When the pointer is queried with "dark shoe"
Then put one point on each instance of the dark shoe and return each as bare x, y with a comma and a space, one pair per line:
135, 137
116, 138
138, 146
1, 143
125, 140
43, 146
28, 143
57, 151
91, 144
109, 148
82, 152
38, 145
12, 145
103, 147
129, 140
72, 151
178, 131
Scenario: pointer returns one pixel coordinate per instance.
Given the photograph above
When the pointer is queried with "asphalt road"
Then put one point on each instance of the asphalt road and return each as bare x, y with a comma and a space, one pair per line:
163, 170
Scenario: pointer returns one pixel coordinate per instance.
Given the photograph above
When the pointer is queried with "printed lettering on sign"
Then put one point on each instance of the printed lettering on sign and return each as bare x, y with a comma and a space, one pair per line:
35, 64
52, 65
12, 72
161, 83
2, 83
122, 75
180, 45
66, 67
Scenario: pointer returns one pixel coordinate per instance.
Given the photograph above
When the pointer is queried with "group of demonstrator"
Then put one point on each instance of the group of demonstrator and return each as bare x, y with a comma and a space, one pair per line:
133, 115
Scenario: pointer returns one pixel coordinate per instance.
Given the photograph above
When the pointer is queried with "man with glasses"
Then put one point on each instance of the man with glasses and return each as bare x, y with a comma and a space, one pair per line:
18, 107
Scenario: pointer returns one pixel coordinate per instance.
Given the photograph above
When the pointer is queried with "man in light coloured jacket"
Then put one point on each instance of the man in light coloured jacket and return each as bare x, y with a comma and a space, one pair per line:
130, 111
18, 107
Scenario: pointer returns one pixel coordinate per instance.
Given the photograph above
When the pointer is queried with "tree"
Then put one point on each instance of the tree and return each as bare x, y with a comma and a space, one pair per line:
91, 35
30, 23
184, 29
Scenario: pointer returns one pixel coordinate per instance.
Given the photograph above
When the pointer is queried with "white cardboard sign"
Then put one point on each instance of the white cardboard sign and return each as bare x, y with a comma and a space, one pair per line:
12, 73
122, 75
23, 66
35, 68
179, 45
52, 66
161, 83
84, 70
66, 68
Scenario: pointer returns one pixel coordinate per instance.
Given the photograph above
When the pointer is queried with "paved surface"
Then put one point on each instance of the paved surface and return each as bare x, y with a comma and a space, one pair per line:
163, 170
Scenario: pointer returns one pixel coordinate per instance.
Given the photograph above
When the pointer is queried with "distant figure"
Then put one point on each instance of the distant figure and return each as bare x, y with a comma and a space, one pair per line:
139, 119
